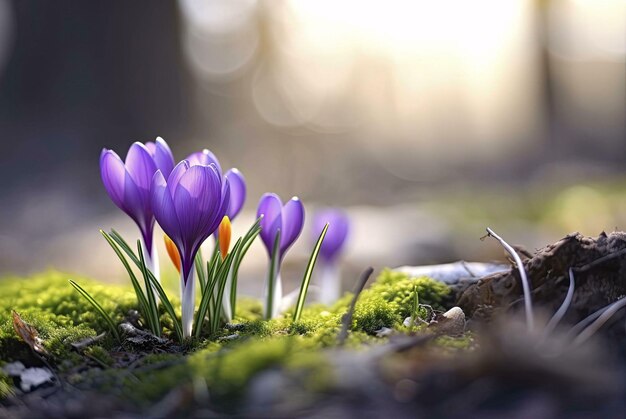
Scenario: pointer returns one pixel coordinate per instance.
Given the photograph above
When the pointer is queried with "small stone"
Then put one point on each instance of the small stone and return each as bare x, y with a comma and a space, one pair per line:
452, 322
384, 332
32, 378
408, 322
14, 369
234, 336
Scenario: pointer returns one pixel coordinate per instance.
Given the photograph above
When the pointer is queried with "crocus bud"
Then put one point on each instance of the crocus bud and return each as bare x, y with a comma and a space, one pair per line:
224, 233
172, 251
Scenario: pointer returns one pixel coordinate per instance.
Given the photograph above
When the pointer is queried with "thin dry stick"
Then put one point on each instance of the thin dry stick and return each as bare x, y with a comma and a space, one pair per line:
607, 313
558, 316
600, 261
347, 318
525, 284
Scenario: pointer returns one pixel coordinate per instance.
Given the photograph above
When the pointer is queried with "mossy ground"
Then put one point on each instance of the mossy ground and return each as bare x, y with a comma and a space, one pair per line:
225, 363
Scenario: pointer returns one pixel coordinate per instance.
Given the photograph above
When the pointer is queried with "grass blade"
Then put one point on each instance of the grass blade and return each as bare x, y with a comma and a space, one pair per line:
115, 237
141, 297
199, 263
178, 329
207, 298
248, 239
152, 305
98, 308
222, 276
124, 246
304, 288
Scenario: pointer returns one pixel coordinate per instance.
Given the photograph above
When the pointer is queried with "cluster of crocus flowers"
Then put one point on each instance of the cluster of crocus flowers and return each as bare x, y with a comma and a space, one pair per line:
329, 279
128, 184
192, 201
189, 201
280, 227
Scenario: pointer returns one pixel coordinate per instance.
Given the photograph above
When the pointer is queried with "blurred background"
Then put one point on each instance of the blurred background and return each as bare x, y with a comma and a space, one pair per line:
426, 120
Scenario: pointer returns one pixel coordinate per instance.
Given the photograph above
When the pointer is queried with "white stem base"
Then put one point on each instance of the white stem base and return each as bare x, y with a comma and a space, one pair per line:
329, 281
188, 301
227, 309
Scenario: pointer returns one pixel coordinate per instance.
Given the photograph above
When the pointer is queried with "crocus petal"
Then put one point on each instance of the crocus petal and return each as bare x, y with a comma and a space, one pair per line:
140, 166
164, 210
223, 208
270, 208
163, 157
204, 158
338, 229
197, 199
125, 193
293, 221
174, 177
113, 173
237, 192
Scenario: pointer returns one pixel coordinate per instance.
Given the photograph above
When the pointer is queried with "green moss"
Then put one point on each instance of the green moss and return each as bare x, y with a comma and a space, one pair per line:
463, 342
60, 315
99, 354
226, 363
389, 300
228, 371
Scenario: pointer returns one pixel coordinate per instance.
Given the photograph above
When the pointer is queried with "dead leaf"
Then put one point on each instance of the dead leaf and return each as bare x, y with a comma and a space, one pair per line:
28, 334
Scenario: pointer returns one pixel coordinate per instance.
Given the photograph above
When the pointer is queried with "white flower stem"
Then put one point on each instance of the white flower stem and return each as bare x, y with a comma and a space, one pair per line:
227, 309
188, 301
329, 281
151, 258
274, 310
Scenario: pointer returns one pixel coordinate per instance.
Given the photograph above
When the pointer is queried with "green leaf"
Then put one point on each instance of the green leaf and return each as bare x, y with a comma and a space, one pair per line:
152, 305
178, 329
141, 297
207, 301
222, 276
199, 263
211, 300
248, 239
272, 276
124, 246
416, 305
98, 308
155, 284
304, 288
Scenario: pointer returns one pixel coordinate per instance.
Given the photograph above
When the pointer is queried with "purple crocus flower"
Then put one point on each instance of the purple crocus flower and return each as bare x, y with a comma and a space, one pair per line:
128, 184
235, 179
237, 185
237, 192
189, 207
289, 220
338, 229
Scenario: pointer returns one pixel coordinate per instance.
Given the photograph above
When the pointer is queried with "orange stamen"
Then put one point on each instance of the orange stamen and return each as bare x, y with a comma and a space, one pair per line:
173, 252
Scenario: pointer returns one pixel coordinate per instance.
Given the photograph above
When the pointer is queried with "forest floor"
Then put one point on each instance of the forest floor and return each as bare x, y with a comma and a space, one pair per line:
464, 351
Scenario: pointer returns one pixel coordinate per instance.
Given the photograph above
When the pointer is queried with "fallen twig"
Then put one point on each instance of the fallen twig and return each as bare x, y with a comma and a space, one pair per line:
82, 344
